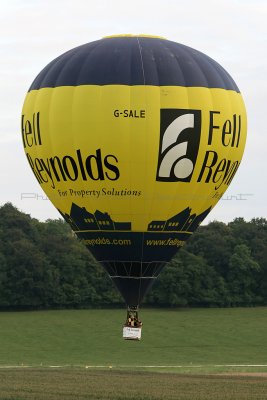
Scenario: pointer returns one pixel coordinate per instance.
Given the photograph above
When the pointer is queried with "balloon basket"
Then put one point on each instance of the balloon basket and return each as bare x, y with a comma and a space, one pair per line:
133, 326
130, 333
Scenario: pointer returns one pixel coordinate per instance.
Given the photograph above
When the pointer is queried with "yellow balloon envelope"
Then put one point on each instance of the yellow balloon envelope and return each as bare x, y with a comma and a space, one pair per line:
134, 139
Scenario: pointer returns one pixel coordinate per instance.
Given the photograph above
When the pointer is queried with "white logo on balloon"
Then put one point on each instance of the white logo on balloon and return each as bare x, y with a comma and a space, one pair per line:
175, 156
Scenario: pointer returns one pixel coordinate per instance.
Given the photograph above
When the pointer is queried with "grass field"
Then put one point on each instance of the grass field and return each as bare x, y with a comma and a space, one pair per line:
120, 385
183, 354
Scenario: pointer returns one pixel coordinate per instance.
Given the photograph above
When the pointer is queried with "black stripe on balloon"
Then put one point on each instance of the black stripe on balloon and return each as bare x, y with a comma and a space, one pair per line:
134, 61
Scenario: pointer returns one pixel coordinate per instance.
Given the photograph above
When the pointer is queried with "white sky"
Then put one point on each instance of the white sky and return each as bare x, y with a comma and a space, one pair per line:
233, 32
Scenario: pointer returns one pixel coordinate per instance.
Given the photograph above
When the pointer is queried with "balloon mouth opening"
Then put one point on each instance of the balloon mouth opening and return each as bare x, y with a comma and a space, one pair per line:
134, 36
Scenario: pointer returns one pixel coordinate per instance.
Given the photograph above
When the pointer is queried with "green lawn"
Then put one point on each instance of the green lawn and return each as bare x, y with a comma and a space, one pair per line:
95, 363
81, 384
188, 337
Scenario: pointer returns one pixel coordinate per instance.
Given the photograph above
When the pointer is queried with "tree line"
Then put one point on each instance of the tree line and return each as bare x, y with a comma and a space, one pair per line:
43, 265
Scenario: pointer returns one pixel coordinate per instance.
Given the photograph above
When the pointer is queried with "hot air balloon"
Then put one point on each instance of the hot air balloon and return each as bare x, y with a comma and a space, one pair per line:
134, 139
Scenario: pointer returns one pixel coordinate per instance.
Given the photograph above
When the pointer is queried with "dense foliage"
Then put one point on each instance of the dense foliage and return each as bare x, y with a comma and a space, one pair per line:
42, 264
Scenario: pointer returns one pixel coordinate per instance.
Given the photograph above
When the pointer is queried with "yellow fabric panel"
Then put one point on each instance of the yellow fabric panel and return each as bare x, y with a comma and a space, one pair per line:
101, 147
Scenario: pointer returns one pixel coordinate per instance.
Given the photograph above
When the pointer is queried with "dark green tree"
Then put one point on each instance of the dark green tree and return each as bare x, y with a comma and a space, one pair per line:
242, 277
188, 280
42, 264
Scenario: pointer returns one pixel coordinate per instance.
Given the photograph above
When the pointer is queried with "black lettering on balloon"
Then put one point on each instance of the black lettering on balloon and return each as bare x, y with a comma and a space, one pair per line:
94, 166
69, 163
38, 177
210, 160
53, 161
111, 167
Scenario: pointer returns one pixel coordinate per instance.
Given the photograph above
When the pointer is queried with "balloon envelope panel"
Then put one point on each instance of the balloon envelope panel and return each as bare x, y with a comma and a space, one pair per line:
134, 140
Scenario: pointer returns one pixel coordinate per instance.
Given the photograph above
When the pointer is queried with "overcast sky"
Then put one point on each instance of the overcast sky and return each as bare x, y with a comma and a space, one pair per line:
233, 32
